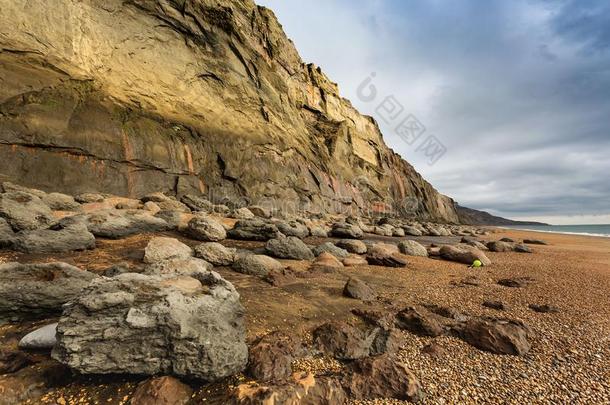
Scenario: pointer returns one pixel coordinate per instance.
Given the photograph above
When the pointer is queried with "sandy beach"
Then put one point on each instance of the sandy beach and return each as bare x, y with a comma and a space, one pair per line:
569, 361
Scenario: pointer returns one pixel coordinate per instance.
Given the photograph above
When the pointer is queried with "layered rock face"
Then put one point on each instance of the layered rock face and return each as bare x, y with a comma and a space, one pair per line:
188, 96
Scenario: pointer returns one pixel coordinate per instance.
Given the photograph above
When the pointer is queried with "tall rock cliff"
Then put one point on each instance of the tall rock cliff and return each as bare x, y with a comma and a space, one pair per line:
133, 96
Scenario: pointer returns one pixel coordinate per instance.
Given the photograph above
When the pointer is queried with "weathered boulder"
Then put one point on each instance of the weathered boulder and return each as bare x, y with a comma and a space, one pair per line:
116, 224
412, 248
256, 265
197, 203
60, 202
381, 255
40, 339
242, 213
381, 377
498, 305
398, 232
24, 211
164, 390
173, 218
178, 266
500, 336
318, 231
32, 291
344, 341
253, 229
88, 198
500, 246
270, 357
534, 242
331, 248
8, 187
420, 322
352, 246
289, 247
463, 254
326, 263
59, 238
302, 389
411, 230
215, 253
346, 230
354, 260
259, 211
516, 282
544, 308
293, 228
521, 248
137, 324
160, 249
358, 289
206, 229
153, 207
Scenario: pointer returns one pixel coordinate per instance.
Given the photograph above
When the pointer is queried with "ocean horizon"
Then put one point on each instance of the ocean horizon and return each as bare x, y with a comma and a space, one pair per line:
601, 230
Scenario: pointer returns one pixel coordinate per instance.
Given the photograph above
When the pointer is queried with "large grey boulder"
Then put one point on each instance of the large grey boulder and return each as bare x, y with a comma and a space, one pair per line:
346, 230
8, 187
173, 218
293, 228
254, 229
242, 213
463, 254
33, 291
500, 246
352, 246
331, 248
412, 248
60, 238
160, 249
24, 211
215, 253
256, 265
60, 202
411, 230
206, 229
41, 338
289, 247
197, 203
189, 327
116, 224
178, 266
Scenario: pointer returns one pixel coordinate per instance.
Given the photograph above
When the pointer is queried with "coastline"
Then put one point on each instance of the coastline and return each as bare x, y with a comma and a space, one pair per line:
558, 232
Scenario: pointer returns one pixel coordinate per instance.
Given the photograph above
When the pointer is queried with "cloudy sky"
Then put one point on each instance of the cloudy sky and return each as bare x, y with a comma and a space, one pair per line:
517, 91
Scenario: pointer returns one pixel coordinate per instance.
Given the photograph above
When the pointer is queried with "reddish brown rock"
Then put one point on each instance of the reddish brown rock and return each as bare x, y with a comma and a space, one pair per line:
161, 391
343, 341
271, 356
302, 389
358, 289
419, 321
382, 255
500, 336
382, 377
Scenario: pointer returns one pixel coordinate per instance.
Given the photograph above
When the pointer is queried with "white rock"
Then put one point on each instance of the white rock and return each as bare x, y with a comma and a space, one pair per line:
41, 338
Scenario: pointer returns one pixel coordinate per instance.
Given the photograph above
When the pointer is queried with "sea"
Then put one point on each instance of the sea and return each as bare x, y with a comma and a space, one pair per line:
590, 230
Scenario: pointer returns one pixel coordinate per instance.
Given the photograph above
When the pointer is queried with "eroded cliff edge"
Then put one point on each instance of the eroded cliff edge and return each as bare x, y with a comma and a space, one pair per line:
134, 96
